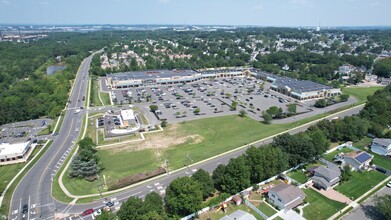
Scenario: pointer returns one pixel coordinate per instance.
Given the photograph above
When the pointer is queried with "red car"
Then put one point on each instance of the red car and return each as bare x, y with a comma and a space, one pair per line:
87, 212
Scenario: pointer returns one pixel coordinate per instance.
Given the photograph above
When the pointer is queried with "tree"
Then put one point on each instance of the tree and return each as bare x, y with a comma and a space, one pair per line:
131, 209
234, 105
85, 163
382, 68
242, 113
320, 103
346, 174
163, 124
183, 196
106, 216
344, 97
383, 204
197, 111
237, 176
206, 182
218, 176
153, 204
292, 108
153, 108
267, 118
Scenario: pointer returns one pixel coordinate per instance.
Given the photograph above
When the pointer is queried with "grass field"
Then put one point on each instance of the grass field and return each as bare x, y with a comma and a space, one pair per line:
364, 142
266, 209
319, 206
105, 98
299, 176
361, 93
94, 96
360, 183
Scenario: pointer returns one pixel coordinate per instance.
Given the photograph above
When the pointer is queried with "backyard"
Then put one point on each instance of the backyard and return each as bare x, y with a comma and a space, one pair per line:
299, 176
319, 206
214, 214
330, 156
360, 183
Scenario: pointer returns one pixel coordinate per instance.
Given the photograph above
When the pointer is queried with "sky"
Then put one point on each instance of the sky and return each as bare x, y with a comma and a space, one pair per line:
322, 13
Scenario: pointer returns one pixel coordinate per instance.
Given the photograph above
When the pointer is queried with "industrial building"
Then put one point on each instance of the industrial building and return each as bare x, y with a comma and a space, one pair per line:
9, 152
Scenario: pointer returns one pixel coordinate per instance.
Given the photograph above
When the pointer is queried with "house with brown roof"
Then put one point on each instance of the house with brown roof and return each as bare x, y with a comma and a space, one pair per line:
286, 196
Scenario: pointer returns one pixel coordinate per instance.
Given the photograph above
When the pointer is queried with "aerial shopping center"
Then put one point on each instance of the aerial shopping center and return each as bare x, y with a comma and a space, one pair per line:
297, 89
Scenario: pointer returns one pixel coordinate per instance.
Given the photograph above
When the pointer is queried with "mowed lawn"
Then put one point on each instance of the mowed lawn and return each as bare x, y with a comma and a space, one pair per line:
319, 206
361, 93
7, 173
220, 134
360, 183
266, 209
299, 176
115, 166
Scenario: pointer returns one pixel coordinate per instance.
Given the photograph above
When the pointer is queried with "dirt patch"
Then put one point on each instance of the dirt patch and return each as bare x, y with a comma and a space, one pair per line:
135, 179
160, 141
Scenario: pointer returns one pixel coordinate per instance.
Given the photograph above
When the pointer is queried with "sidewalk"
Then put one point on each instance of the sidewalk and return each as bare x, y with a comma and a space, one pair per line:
356, 202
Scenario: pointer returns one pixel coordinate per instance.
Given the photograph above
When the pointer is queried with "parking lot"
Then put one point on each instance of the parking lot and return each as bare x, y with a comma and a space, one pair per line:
22, 131
207, 98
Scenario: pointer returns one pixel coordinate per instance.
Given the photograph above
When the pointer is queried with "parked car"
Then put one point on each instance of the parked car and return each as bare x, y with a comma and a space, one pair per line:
87, 212
109, 204
389, 184
98, 212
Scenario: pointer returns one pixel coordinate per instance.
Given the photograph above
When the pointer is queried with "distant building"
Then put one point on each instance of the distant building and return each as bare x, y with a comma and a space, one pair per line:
166, 77
239, 215
286, 196
381, 146
384, 81
9, 152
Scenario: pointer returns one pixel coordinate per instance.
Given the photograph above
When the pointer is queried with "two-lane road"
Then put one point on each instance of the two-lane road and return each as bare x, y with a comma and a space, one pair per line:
34, 190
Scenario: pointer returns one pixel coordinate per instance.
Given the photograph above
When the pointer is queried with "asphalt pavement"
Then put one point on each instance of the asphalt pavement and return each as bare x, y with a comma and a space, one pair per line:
34, 190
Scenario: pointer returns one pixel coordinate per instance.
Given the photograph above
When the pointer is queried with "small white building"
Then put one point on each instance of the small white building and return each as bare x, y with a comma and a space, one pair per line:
381, 146
127, 117
9, 152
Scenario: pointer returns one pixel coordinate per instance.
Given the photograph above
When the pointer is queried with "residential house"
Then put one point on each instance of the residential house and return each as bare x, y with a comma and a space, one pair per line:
326, 177
381, 146
357, 160
286, 196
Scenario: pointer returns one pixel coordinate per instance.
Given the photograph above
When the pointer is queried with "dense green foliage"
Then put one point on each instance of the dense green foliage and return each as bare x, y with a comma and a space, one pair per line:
149, 209
183, 196
206, 182
86, 162
383, 68
26, 91
377, 111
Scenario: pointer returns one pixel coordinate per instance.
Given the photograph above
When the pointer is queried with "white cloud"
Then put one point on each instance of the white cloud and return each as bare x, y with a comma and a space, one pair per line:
6, 2
164, 1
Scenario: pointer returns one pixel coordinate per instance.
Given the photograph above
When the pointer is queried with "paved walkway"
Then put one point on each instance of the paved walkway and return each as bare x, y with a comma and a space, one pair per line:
333, 195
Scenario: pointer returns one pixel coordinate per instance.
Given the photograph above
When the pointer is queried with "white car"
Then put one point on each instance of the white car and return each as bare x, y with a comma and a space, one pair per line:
98, 212
389, 184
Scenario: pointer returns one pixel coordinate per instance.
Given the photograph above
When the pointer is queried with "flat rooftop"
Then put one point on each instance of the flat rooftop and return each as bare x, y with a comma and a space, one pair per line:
12, 149
150, 74
300, 85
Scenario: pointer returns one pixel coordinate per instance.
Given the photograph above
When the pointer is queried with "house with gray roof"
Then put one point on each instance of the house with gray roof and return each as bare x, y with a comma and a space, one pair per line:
239, 215
381, 146
326, 177
357, 160
286, 196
